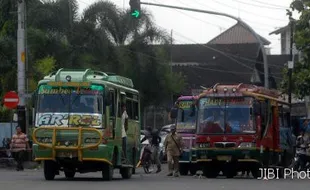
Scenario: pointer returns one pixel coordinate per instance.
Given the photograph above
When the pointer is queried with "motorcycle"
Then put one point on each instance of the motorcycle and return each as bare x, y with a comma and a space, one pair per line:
146, 160
296, 165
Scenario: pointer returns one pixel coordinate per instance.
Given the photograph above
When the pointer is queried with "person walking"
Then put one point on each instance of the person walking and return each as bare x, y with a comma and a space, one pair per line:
174, 148
18, 146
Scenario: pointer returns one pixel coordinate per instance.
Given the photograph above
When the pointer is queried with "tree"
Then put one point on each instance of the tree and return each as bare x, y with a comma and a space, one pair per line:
301, 72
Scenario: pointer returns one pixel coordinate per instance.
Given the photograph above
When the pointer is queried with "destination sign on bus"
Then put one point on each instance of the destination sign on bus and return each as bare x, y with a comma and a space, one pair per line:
185, 104
92, 90
222, 101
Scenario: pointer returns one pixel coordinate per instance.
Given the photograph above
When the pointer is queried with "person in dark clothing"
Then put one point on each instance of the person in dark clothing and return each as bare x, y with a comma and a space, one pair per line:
155, 140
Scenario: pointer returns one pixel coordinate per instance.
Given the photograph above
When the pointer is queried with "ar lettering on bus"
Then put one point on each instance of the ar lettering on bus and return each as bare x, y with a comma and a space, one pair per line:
51, 119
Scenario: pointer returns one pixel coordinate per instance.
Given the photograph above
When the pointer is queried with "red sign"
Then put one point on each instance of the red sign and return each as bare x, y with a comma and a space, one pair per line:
11, 100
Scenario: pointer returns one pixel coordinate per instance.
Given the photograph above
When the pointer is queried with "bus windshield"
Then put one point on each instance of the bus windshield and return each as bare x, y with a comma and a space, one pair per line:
76, 105
186, 119
229, 115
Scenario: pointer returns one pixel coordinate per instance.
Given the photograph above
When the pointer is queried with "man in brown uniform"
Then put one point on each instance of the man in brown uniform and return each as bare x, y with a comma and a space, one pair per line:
174, 148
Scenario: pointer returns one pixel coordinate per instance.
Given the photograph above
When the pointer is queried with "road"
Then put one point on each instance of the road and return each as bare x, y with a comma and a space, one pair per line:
33, 180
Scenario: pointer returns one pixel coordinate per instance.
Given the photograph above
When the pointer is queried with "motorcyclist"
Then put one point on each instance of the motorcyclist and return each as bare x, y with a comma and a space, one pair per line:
155, 140
302, 143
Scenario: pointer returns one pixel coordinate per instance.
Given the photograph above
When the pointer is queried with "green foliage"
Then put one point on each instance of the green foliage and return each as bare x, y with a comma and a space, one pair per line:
301, 71
45, 66
104, 38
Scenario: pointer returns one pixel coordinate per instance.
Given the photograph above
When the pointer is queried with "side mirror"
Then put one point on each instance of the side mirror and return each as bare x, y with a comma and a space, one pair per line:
174, 113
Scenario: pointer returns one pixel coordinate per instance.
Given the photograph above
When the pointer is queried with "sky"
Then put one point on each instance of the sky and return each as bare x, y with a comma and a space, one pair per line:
264, 16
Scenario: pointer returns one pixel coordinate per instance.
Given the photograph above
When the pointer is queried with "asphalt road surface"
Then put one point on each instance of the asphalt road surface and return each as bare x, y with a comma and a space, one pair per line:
34, 180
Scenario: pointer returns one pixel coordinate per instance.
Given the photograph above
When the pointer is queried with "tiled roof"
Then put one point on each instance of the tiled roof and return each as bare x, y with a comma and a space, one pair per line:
235, 63
237, 34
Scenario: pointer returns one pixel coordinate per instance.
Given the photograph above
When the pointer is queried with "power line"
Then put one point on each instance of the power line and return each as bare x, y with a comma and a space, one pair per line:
273, 5
254, 5
243, 10
221, 52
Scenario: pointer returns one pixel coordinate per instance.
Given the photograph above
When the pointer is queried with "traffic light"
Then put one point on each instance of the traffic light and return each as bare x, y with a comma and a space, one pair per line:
135, 7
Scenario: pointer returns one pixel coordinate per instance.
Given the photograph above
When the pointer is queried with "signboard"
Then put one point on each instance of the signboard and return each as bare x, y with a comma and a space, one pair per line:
68, 120
185, 104
223, 101
11, 100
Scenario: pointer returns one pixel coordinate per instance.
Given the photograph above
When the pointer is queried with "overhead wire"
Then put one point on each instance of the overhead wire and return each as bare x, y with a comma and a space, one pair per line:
221, 52
274, 5
255, 5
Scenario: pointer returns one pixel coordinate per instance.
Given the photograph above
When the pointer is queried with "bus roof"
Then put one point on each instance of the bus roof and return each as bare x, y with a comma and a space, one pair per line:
65, 76
187, 98
233, 90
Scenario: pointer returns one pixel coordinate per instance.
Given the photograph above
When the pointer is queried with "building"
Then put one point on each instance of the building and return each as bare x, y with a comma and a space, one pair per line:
285, 37
232, 57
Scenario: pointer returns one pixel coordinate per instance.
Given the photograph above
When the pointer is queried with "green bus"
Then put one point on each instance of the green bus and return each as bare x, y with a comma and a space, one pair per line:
78, 126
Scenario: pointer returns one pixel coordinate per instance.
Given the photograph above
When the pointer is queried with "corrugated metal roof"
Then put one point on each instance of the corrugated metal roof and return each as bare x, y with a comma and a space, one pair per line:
236, 34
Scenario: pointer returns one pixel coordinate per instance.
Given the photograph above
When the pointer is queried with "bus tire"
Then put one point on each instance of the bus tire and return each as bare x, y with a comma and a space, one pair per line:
107, 173
49, 170
193, 170
126, 173
183, 168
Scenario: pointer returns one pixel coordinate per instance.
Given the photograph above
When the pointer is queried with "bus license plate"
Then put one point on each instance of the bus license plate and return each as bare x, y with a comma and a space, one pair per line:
67, 154
224, 158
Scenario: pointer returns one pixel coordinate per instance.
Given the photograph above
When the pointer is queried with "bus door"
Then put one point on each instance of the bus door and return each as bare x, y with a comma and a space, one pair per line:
113, 110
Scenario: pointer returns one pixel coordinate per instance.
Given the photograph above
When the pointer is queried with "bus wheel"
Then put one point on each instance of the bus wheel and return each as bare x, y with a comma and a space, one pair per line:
107, 173
193, 170
126, 173
256, 172
69, 174
49, 170
211, 172
183, 169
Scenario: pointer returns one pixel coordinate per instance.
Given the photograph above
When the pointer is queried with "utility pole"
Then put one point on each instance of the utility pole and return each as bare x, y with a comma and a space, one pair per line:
290, 70
21, 109
266, 71
291, 63
171, 66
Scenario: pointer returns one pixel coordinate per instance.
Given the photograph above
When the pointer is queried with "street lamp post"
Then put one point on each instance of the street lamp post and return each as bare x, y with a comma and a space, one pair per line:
266, 72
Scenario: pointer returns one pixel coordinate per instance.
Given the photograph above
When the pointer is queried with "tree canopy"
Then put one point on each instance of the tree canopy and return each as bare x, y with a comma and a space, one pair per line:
104, 38
301, 26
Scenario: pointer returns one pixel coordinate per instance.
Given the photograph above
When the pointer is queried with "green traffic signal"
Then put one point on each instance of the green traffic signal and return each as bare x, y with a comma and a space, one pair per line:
135, 8
135, 14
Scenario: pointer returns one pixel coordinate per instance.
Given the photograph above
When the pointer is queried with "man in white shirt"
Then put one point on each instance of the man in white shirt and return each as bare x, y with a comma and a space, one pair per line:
124, 129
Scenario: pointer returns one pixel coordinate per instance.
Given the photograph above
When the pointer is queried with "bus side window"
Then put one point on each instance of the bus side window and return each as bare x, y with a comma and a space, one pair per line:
135, 110
129, 108
122, 100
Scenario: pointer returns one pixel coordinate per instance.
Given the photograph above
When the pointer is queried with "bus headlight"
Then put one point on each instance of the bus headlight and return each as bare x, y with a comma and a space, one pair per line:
45, 139
246, 145
203, 145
